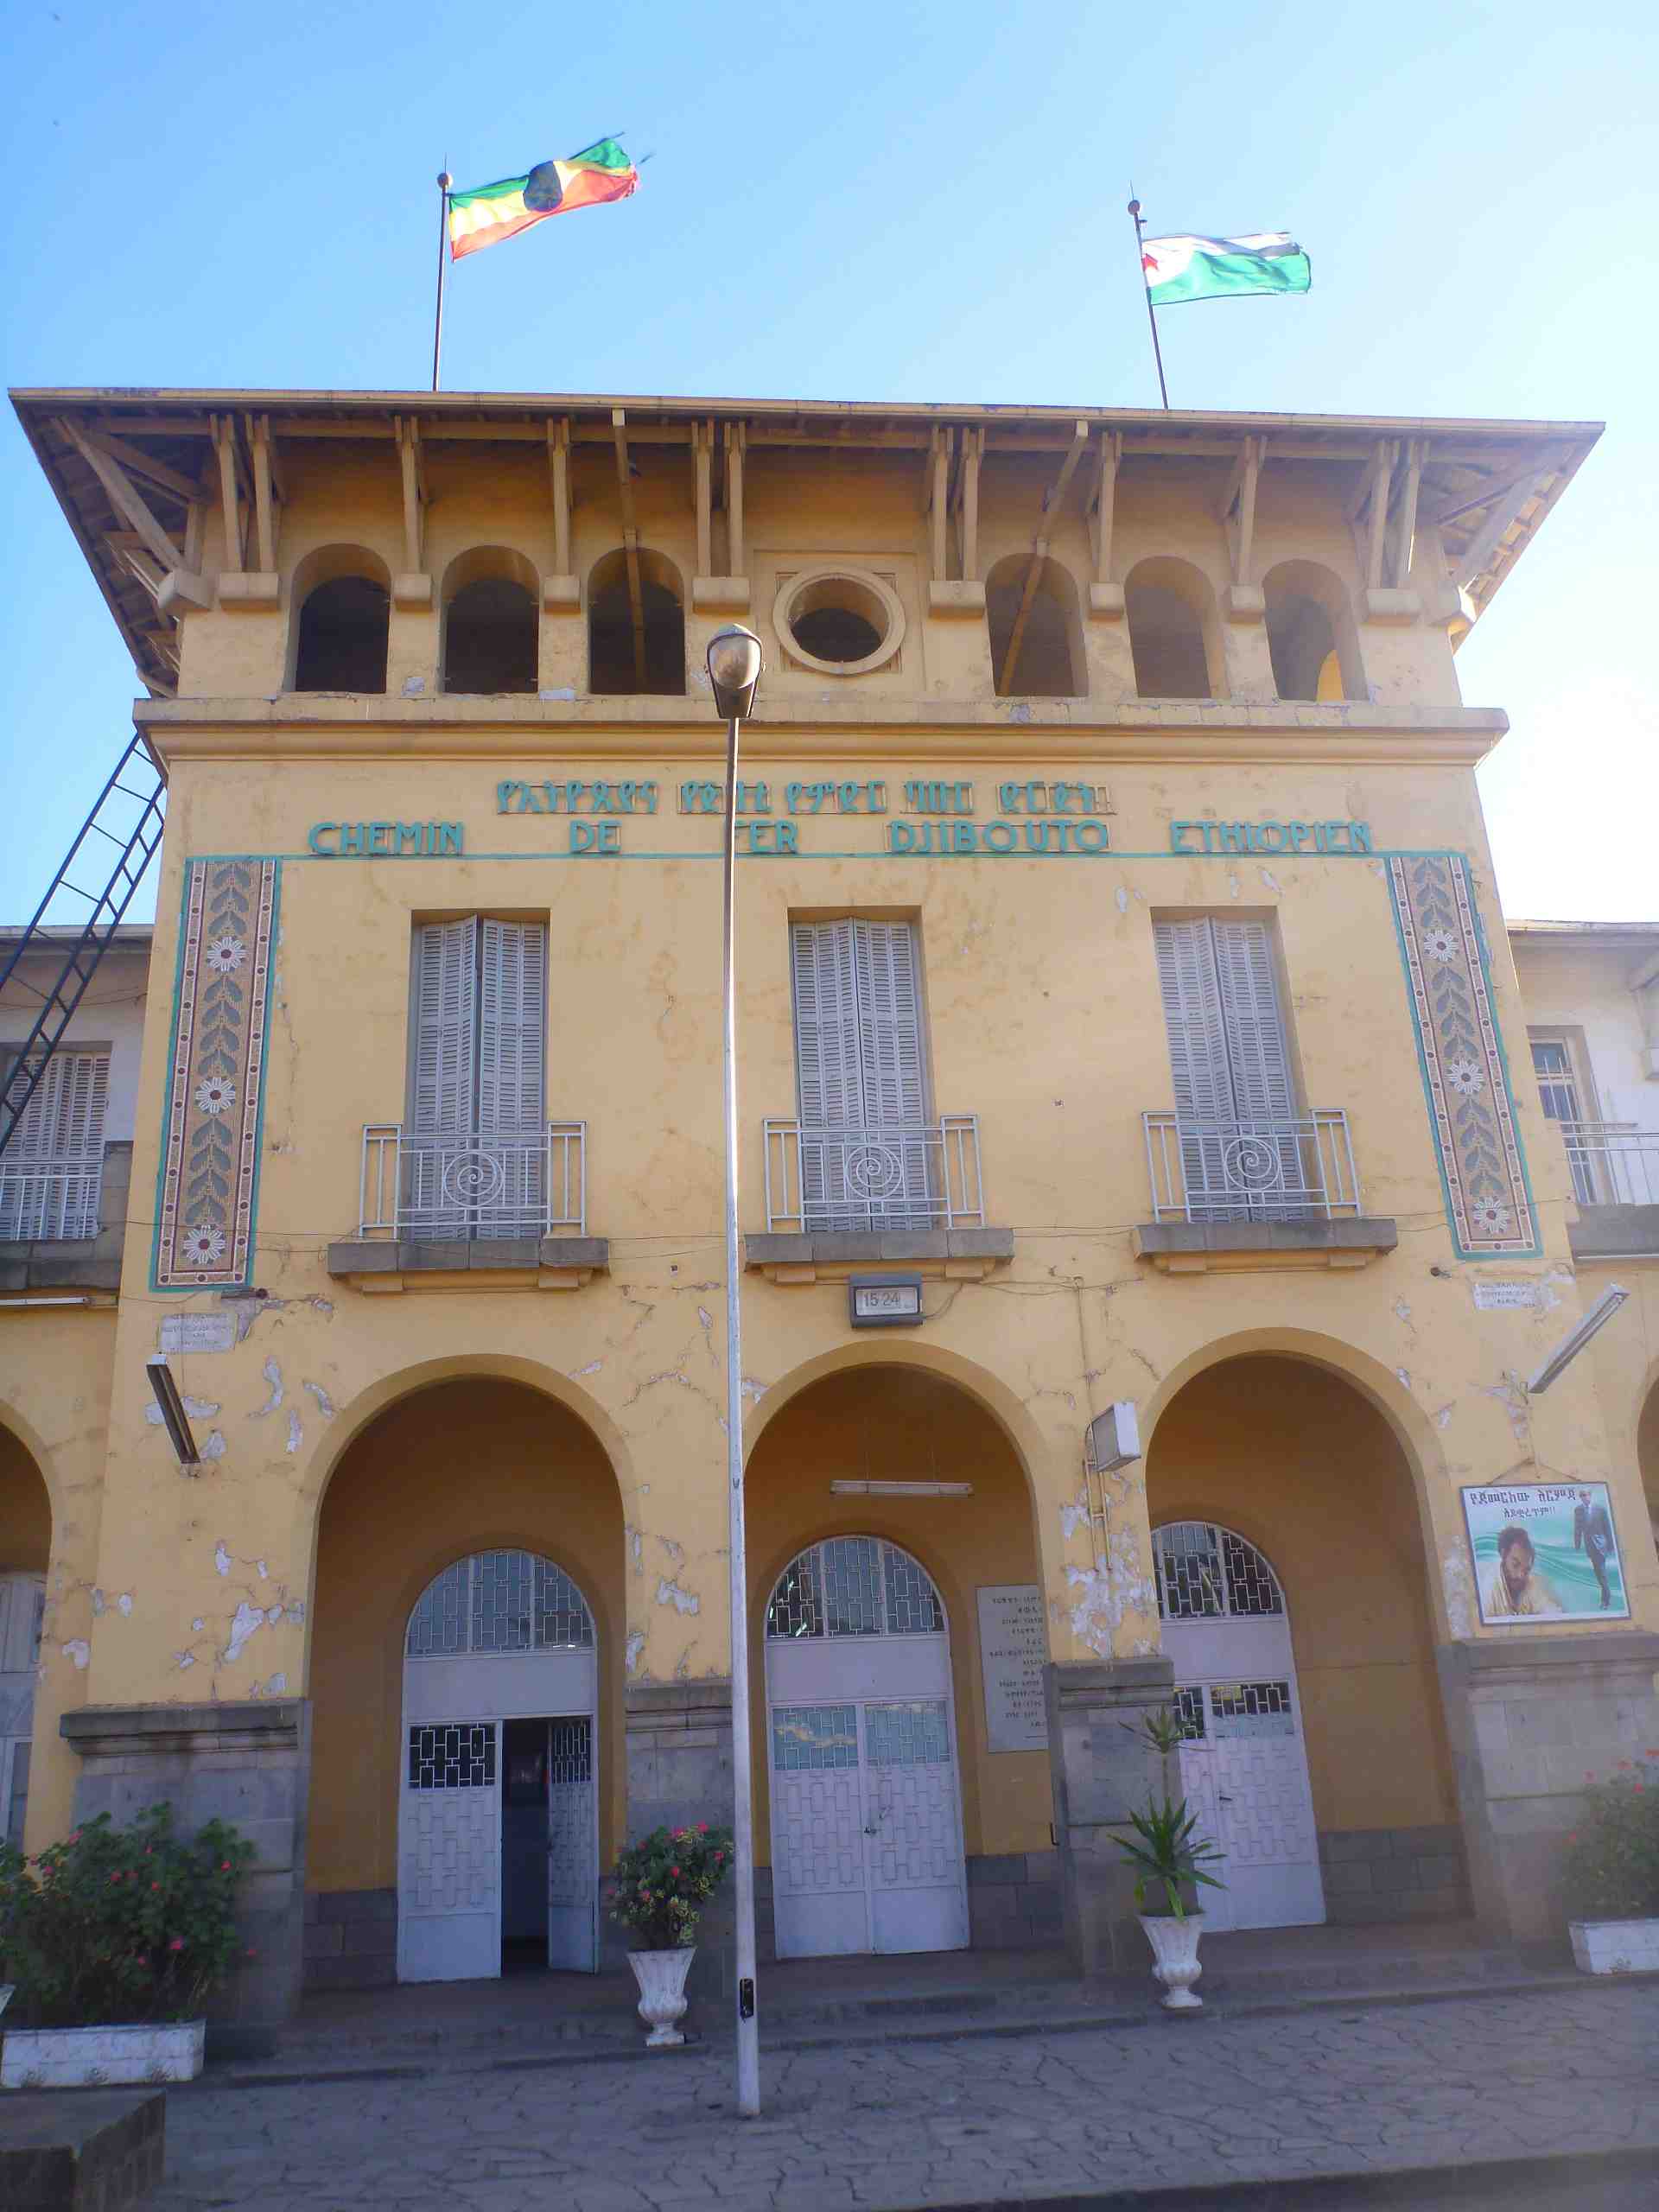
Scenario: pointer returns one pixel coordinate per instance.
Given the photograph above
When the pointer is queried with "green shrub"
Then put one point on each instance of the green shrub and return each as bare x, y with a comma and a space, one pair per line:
664, 1882
1612, 1867
118, 1926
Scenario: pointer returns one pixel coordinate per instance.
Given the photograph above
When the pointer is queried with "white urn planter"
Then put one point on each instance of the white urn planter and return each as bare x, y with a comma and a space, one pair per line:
1616, 1946
1175, 1957
661, 1976
82, 2058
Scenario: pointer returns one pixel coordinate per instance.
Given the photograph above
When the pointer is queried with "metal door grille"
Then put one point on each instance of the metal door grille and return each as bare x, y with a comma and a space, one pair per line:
853, 1585
1205, 1572
453, 1755
500, 1601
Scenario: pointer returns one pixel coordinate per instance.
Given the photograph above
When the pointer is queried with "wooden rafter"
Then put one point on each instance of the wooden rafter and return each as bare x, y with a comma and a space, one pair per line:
1237, 507
265, 489
1051, 507
159, 474
1405, 528
967, 504
1105, 505
412, 463
124, 496
630, 543
736, 438
558, 479
702, 470
230, 496
939, 463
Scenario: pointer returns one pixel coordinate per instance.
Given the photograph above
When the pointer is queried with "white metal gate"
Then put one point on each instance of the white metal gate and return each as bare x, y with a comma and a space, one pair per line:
23, 1599
865, 1807
1244, 1760
503, 1635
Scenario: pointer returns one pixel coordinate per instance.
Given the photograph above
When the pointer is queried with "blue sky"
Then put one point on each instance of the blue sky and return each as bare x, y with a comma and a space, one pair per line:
919, 200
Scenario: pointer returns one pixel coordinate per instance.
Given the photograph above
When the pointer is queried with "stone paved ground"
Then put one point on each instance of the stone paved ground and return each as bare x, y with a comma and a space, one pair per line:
914, 2123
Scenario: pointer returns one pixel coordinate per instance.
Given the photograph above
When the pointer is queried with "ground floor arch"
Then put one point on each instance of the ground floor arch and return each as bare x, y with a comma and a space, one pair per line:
905, 1671
467, 1630
1647, 1454
25, 1554
1302, 1470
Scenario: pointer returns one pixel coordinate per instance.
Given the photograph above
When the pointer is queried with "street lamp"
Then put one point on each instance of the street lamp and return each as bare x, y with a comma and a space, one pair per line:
735, 662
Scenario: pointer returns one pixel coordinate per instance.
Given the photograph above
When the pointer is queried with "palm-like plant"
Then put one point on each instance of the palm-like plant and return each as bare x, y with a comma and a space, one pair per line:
1165, 1854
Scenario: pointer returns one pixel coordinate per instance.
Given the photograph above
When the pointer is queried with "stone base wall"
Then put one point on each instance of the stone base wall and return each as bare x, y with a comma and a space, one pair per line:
1015, 1901
1101, 1767
351, 1939
248, 1763
1376, 1876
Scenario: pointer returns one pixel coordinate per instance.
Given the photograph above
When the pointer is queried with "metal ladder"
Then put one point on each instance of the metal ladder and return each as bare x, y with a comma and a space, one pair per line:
136, 779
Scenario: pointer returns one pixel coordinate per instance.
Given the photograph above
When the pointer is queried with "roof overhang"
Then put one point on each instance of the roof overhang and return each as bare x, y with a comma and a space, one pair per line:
1485, 485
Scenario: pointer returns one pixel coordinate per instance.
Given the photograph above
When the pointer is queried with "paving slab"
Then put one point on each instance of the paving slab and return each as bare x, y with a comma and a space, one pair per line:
1344, 2095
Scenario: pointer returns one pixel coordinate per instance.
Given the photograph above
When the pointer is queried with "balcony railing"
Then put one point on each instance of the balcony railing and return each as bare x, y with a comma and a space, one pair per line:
1612, 1163
50, 1200
893, 1175
469, 1187
1251, 1169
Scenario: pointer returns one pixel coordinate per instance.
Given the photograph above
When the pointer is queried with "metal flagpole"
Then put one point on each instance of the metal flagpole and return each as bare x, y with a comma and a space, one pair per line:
1151, 316
445, 181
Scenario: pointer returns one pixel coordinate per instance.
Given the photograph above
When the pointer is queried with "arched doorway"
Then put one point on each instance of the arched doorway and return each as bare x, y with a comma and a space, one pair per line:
1243, 1758
866, 1850
25, 1551
467, 1629
498, 1838
1306, 1486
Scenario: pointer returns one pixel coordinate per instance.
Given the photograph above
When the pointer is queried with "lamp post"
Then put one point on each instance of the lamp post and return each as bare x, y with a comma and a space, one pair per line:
733, 672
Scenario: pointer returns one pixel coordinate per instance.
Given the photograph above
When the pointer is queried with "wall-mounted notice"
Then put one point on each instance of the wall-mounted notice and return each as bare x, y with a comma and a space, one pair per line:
1013, 1650
1488, 1294
199, 1332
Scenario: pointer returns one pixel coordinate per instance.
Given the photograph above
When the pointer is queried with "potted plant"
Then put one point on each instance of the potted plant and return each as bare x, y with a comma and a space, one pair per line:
113, 1940
662, 1884
1167, 1856
1612, 1871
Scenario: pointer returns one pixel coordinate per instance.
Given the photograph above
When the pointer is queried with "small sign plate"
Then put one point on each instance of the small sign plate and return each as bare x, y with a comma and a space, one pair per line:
199, 1332
1489, 1294
884, 1301
1013, 1650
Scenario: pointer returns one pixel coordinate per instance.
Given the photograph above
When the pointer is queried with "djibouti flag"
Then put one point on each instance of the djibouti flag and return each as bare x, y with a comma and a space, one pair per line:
1213, 269
490, 213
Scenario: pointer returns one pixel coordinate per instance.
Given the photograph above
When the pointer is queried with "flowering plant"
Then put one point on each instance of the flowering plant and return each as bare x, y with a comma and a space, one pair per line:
664, 1881
1611, 1868
118, 1926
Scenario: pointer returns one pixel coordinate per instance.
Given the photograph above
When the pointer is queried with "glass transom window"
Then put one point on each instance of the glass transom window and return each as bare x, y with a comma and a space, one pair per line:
499, 1602
854, 1586
1208, 1574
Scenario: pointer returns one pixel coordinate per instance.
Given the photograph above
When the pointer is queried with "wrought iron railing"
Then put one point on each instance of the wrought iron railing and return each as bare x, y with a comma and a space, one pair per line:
1612, 1163
891, 1175
1250, 1170
50, 1200
471, 1186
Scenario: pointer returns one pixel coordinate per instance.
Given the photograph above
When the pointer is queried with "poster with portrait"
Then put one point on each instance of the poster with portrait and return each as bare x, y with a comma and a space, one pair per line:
1545, 1552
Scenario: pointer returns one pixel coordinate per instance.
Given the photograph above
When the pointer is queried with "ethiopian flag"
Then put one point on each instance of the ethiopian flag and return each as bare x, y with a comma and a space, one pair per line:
1212, 269
494, 212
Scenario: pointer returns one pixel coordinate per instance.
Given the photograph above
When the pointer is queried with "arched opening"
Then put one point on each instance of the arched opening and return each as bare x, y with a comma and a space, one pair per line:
1173, 633
1293, 1587
25, 1553
1049, 662
468, 1772
636, 650
896, 1594
343, 598
1646, 1456
491, 638
1311, 636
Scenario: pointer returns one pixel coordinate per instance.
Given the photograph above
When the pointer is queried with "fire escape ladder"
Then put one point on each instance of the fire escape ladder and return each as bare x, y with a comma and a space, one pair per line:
135, 780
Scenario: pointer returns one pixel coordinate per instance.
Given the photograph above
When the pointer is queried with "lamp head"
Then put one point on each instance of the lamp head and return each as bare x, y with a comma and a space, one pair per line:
735, 662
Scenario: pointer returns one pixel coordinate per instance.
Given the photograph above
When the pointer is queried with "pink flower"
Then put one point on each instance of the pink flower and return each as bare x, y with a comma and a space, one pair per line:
702, 1827
75, 1838
674, 1871
251, 1955
177, 1944
718, 1858
155, 1885
224, 1865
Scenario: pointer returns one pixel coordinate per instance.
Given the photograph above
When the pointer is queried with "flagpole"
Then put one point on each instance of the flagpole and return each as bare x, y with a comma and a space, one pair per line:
1152, 314
445, 181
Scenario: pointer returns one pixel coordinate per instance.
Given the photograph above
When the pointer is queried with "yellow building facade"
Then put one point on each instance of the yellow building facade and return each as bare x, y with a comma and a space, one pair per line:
1151, 1216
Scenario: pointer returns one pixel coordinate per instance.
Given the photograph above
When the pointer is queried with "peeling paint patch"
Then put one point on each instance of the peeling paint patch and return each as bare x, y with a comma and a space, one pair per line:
325, 1403
684, 1601
273, 1375
198, 1409
1514, 1404
79, 1649
197, 1626
592, 1367
1106, 1594
1233, 887
705, 1319
755, 1390
1402, 1376
295, 1433
1073, 1518
1272, 882
215, 1447
1401, 1311
633, 1648
185, 1658
277, 1687
1122, 900
245, 1619
97, 1603
221, 1558
1443, 1418
676, 1552
1460, 1591
636, 1547
124, 1605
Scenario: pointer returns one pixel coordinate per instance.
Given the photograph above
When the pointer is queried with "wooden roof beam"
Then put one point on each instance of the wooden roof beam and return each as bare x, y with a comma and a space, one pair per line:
1053, 499
630, 542
124, 496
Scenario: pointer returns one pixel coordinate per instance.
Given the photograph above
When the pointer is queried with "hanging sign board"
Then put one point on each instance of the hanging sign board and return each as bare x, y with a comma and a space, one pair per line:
1013, 1652
1545, 1552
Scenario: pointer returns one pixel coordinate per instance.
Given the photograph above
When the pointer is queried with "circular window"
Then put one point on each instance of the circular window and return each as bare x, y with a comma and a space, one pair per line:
840, 621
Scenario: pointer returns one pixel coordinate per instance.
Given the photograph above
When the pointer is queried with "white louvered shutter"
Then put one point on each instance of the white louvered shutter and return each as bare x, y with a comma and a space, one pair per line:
511, 1074
1264, 1095
442, 1083
830, 1100
52, 1171
893, 1079
1197, 1060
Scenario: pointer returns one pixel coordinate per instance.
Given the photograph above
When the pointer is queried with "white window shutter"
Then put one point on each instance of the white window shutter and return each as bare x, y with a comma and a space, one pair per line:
1256, 1047
889, 1024
52, 1171
512, 1030
446, 1012
826, 1025
1192, 1015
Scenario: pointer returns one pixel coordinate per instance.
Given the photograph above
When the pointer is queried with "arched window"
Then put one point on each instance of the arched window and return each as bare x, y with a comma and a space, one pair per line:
491, 627
636, 650
1049, 663
344, 598
498, 1602
1312, 634
1205, 1572
1173, 634
853, 1585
